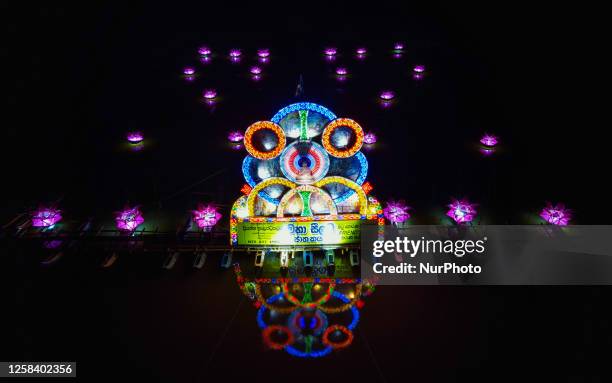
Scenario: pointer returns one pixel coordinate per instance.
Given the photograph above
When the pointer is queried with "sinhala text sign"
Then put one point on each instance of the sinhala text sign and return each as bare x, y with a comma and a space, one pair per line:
299, 233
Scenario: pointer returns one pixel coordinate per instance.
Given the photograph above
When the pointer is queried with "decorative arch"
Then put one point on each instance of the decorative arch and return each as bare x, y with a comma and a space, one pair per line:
280, 211
363, 199
263, 184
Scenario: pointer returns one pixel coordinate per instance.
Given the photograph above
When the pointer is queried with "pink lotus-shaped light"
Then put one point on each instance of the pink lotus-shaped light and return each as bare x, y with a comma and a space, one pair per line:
461, 211
235, 53
255, 70
361, 51
330, 51
209, 94
235, 136
206, 216
188, 70
129, 219
556, 214
369, 138
489, 140
419, 69
135, 137
387, 95
263, 52
46, 217
341, 71
204, 51
396, 211
398, 46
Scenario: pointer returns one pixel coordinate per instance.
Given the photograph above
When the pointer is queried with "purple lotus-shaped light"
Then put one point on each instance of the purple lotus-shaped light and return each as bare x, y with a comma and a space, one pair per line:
489, 140
361, 51
556, 214
204, 51
341, 71
419, 69
330, 51
235, 136
398, 46
263, 52
209, 94
461, 211
135, 137
387, 95
370, 138
235, 53
255, 70
188, 70
46, 217
396, 212
206, 216
128, 219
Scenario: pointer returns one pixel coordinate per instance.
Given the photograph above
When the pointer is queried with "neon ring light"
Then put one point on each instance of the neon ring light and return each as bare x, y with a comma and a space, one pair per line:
316, 158
335, 124
263, 184
363, 199
280, 211
261, 125
267, 332
337, 345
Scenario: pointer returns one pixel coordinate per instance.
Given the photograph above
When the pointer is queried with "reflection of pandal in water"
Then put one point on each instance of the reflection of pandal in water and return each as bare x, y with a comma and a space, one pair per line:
307, 327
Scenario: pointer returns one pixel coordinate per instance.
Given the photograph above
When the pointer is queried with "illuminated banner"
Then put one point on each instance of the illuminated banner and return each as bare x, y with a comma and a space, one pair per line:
299, 233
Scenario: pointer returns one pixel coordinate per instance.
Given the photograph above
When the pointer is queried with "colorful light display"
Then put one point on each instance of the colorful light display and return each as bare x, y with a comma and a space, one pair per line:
135, 137
129, 219
370, 138
396, 212
235, 136
331, 51
46, 217
462, 211
419, 69
263, 53
255, 70
335, 124
341, 71
206, 216
264, 125
210, 94
387, 95
489, 140
204, 51
188, 70
398, 46
556, 214
235, 53
361, 51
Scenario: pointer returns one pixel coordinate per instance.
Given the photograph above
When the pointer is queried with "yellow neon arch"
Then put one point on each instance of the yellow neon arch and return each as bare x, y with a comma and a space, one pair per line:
263, 184
280, 211
363, 199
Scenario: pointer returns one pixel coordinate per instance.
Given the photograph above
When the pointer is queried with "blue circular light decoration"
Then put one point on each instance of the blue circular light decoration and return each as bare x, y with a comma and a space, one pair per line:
363, 173
247, 166
302, 106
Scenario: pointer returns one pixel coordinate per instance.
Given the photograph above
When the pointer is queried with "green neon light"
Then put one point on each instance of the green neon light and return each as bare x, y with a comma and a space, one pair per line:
303, 124
305, 195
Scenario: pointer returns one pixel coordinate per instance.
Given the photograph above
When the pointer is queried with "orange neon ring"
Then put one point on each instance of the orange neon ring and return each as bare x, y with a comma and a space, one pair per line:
259, 125
337, 345
267, 332
335, 124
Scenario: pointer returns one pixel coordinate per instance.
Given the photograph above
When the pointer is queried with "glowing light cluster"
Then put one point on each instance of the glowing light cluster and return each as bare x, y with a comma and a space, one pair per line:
255, 70
263, 52
396, 212
188, 70
331, 51
398, 46
335, 124
370, 138
129, 219
46, 217
206, 216
462, 211
267, 125
204, 51
209, 94
489, 140
235, 136
341, 71
135, 137
361, 51
419, 68
387, 95
235, 53
556, 214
